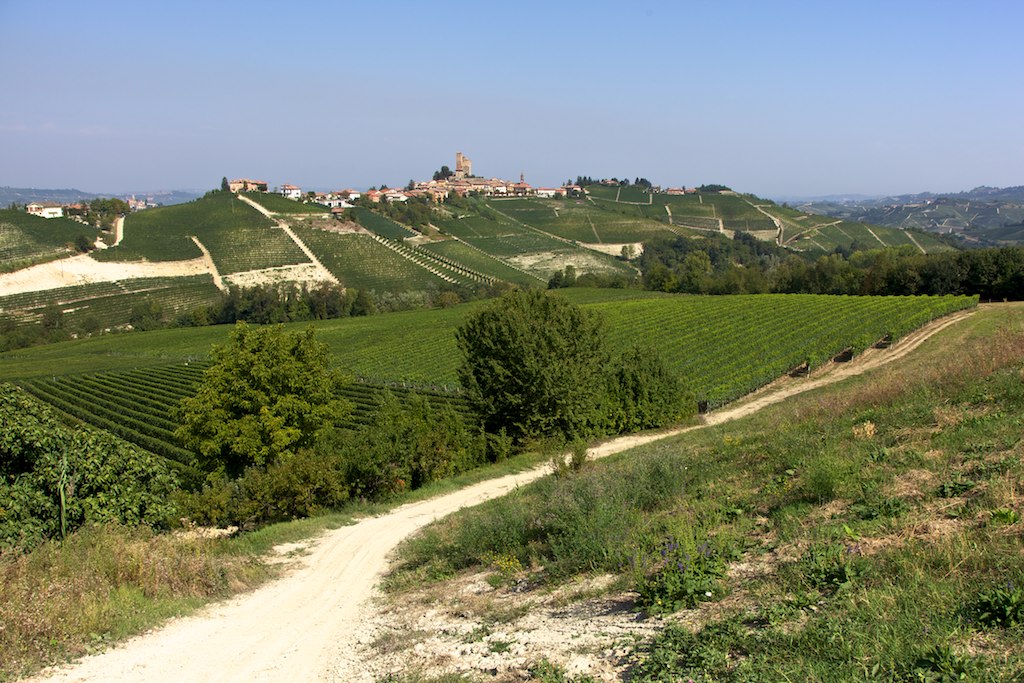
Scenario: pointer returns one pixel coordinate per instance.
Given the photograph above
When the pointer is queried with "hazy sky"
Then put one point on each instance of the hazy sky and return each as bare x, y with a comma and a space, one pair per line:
774, 98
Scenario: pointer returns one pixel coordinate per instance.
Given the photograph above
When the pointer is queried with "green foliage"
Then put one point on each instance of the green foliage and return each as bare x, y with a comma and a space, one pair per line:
299, 485
644, 393
54, 478
535, 365
828, 566
684, 576
405, 445
267, 394
547, 672
1001, 606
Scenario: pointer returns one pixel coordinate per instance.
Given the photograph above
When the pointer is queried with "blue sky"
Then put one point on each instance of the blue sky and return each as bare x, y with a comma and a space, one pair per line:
774, 98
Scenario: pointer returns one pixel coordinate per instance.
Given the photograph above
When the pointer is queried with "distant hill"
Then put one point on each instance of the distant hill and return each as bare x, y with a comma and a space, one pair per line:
24, 195
982, 216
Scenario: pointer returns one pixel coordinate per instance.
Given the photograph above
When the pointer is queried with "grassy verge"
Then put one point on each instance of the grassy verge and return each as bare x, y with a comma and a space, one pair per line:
869, 530
65, 600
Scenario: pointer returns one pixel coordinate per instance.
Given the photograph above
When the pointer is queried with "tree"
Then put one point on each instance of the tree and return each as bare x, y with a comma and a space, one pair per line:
267, 394
443, 174
224, 186
535, 366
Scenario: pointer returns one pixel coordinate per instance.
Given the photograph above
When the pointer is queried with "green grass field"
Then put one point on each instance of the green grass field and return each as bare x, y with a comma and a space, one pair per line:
722, 346
359, 261
584, 221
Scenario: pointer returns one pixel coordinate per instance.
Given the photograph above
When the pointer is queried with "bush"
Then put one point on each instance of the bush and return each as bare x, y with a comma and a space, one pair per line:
644, 394
535, 365
267, 395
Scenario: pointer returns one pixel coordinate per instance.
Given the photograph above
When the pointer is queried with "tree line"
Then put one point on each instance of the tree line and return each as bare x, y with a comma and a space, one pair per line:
746, 265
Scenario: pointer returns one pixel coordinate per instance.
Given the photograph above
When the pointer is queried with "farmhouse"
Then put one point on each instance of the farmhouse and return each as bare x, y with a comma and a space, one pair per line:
291, 191
45, 210
247, 185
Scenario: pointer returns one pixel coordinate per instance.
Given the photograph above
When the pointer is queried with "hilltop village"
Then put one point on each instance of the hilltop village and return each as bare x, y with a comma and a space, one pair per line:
460, 182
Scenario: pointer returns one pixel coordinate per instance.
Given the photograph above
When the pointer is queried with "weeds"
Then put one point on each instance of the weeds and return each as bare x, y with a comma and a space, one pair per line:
684, 577
1001, 606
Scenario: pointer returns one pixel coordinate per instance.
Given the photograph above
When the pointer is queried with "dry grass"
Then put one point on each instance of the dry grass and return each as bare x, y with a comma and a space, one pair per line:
66, 599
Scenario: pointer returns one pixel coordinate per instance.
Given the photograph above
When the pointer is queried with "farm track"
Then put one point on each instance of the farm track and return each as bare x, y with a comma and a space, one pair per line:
310, 625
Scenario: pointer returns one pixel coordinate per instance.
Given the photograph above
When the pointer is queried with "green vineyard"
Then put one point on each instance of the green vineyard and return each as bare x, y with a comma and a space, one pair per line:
722, 347
138, 405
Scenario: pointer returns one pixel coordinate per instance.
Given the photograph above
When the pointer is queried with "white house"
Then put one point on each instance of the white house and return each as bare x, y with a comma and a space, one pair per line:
291, 192
45, 210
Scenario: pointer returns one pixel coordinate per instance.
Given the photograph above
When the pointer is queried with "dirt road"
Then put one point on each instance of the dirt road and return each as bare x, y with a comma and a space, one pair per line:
307, 625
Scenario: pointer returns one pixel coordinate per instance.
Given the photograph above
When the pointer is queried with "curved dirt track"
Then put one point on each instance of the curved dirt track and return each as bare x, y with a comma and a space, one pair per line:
306, 625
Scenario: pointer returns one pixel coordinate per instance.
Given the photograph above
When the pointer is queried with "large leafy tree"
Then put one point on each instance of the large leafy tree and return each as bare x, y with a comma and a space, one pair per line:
268, 393
535, 365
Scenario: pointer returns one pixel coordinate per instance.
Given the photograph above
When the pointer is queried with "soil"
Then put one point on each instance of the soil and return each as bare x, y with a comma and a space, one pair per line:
325, 619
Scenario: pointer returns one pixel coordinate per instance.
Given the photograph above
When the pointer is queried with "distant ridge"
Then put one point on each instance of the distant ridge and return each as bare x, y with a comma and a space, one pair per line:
24, 195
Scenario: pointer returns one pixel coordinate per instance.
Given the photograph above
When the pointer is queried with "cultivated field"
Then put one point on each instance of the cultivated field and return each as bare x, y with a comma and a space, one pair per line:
723, 347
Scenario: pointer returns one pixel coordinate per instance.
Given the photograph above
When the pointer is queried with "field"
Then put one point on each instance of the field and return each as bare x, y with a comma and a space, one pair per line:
481, 262
723, 347
26, 240
746, 213
382, 225
276, 203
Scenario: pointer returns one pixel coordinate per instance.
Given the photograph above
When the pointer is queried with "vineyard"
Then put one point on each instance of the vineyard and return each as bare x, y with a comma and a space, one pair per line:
137, 405
110, 303
360, 261
165, 234
276, 203
583, 222
26, 240
723, 347
381, 225
481, 262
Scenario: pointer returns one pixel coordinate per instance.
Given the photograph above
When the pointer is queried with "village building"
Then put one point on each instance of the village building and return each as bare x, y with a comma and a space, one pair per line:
45, 210
291, 191
247, 185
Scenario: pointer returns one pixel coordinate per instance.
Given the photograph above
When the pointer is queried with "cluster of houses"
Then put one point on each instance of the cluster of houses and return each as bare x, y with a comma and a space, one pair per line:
78, 210
461, 183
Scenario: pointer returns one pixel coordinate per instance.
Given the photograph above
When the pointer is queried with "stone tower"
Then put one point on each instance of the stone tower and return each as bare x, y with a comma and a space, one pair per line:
463, 165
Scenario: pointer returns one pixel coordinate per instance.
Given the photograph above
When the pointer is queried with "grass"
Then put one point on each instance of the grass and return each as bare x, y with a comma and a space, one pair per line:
848, 558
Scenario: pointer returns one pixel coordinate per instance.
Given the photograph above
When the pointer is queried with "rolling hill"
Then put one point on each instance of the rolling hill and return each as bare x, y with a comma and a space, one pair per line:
176, 258
984, 215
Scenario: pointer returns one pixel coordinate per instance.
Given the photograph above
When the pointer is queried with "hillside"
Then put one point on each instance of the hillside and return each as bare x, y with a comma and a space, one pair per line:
723, 348
27, 240
728, 213
469, 247
984, 215
781, 496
